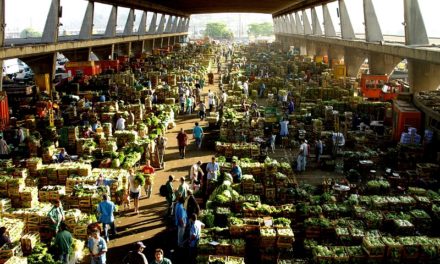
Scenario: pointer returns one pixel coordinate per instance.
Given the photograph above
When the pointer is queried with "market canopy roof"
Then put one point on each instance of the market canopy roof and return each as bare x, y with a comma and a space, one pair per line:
189, 7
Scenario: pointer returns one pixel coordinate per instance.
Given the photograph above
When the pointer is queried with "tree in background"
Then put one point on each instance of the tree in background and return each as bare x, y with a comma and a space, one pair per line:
218, 30
260, 29
30, 33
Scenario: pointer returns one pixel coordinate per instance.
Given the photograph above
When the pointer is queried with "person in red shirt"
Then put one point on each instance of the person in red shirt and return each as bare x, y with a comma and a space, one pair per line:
148, 169
182, 141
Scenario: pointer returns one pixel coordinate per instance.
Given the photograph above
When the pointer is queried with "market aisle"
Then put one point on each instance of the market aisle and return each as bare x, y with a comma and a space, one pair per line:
149, 226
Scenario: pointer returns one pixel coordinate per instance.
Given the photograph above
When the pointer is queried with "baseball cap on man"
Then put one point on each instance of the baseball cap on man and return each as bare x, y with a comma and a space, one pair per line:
140, 244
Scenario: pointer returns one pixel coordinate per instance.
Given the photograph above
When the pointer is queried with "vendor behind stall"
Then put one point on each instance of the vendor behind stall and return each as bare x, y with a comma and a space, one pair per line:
236, 172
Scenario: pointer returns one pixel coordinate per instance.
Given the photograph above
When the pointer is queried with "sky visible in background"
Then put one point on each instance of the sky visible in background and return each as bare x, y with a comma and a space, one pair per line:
21, 14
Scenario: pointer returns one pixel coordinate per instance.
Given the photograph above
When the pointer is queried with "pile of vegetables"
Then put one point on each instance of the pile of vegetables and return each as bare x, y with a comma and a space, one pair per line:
207, 217
224, 193
378, 186
281, 222
374, 246
40, 255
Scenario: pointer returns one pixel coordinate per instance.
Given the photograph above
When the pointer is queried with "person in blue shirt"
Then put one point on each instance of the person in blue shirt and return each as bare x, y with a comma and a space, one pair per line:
97, 248
291, 107
262, 89
181, 220
194, 236
62, 156
106, 216
198, 134
236, 172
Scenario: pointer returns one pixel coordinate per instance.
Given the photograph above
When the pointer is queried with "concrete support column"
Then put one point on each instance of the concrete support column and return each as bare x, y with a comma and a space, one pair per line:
2, 36
137, 48
353, 58
156, 43
335, 53
44, 64
103, 52
2, 22
423, 76
161, 27
142, 30
299, 25
311, 48
315, 23
180, 25
152, 29
415, 31
149, 46
169, 24
128, 29
302, 45
380, 63
87, 25
50, 32
186, 25
275, 26
306, 24
174, 24
373, 33
110, 31
292, 24
346, 26
286, 44
125, 49
285, 23
329, 28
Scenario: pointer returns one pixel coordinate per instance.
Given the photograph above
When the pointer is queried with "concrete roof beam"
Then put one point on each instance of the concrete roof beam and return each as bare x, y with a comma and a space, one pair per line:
415, 30
129, 24
315, 23
153, 24
306, 23
346, 26
299, 25
373, 33
329, 28
110, 30
86, 30
50, 32
142, 30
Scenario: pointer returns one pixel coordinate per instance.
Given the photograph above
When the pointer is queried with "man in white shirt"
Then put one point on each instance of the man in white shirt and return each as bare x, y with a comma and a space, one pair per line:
212, 169
4, 148
246, 89
302, 155
120, 124
284, 132
224, 97
211, 100
195, 171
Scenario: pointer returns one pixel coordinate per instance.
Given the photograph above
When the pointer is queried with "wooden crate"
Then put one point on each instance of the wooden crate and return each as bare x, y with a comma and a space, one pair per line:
237, 230
6, 254
28, 242
270, 193
84, 202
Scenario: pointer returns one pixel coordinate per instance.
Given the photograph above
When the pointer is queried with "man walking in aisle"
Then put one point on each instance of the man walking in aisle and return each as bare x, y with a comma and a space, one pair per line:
182, 142
302, 154
161, 143
181, 220
106, 208
198, 135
